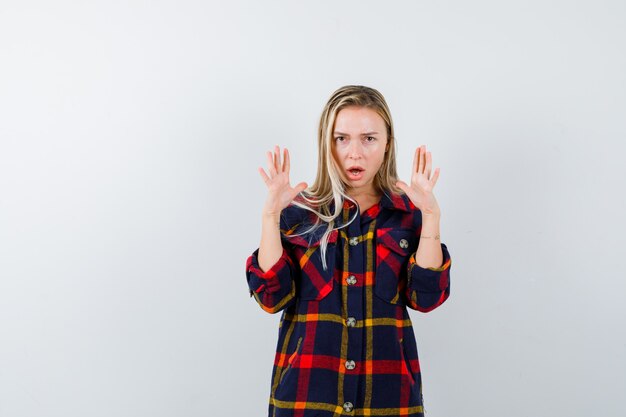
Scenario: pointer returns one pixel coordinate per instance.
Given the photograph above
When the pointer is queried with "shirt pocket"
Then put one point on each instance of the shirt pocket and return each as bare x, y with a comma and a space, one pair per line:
291, 360
393, 250
408, 371
315, 283
287, 383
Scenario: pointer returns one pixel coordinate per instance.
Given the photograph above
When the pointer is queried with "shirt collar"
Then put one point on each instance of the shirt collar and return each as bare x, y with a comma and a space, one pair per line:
391, 200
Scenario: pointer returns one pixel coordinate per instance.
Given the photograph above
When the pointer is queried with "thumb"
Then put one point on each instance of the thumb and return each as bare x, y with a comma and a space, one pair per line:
402, 185
299, 188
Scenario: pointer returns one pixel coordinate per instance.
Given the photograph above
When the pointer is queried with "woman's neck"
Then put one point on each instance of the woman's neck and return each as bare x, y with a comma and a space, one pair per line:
365, 198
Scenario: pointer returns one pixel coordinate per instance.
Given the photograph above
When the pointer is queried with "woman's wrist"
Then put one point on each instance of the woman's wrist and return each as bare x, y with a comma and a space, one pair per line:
431, 218
430, 226
270, 219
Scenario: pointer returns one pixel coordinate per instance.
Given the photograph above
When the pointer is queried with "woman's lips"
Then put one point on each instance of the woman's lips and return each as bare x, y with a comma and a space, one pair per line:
355, 174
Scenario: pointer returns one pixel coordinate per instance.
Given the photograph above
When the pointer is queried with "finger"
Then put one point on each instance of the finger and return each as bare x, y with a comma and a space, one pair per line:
264, 175
286, 164
435, 177
420, 165
415, 155
429, 163
270, 164
277, 158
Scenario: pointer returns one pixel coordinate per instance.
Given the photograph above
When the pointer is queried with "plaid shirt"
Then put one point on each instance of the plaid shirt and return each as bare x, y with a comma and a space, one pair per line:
346, 345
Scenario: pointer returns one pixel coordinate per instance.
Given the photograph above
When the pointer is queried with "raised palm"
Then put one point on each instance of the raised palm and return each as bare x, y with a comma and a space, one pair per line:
280, 191
422, 183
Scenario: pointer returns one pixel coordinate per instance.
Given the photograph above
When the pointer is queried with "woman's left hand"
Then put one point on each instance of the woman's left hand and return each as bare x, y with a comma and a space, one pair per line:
422, 183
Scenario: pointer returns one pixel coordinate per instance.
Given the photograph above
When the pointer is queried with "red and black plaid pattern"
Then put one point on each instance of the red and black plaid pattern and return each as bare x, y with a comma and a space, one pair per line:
346, 345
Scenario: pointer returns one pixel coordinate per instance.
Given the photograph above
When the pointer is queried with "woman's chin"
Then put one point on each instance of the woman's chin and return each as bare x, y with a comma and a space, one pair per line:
357, 185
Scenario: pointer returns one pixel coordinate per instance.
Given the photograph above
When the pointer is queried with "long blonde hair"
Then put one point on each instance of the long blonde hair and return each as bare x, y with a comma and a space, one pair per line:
328, 186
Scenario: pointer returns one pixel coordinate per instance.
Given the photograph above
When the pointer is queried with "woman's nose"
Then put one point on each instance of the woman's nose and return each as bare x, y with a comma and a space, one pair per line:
355, 150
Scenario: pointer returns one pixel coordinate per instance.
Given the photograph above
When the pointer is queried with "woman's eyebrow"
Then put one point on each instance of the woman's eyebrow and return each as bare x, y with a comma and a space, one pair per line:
363, 134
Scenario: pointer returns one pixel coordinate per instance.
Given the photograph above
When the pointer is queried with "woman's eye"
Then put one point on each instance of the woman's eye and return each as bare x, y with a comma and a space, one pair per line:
339, 138
370, 139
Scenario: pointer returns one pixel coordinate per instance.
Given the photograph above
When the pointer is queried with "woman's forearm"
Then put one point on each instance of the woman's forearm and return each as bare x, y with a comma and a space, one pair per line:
429, 254
271, 247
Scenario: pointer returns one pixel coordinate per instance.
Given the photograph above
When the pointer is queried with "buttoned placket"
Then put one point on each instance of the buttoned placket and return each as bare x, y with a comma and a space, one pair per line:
355, 248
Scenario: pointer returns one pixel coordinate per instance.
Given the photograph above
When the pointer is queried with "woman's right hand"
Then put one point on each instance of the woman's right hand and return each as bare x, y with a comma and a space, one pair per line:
280, 192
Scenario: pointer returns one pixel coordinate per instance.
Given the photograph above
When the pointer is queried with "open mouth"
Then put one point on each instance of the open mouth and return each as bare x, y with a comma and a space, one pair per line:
355, 173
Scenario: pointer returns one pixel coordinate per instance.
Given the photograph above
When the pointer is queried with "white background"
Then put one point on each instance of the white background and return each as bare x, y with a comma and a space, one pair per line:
130, 137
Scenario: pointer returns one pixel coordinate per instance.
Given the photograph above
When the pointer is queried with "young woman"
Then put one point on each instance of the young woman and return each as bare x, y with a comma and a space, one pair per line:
342, 260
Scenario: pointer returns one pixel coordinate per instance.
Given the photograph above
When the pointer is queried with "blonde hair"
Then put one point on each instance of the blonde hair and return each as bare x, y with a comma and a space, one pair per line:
328, 186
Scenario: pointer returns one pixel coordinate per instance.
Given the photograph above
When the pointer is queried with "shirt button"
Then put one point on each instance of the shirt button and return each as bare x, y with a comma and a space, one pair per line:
350, 364
351, 322
354, 241
351, 280
404, 243
347, 406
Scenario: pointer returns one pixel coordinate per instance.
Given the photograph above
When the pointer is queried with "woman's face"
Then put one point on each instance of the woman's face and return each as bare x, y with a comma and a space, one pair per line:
358, 145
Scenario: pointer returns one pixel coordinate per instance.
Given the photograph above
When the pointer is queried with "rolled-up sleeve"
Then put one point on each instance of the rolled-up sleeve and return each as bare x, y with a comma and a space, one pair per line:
428, 288
275, 288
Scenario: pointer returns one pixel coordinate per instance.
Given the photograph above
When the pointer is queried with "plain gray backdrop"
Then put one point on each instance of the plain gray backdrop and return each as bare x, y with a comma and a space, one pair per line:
131, 133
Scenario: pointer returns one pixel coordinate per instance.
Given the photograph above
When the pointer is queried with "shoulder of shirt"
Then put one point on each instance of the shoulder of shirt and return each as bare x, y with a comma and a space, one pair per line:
297, 226
293, 216
401, 202
398, 201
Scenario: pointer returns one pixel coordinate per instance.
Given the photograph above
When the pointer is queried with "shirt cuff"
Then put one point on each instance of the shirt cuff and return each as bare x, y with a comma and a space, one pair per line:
430, 279
271, 280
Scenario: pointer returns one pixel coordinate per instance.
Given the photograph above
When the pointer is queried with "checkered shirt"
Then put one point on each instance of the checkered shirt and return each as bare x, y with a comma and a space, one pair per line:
346, 345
